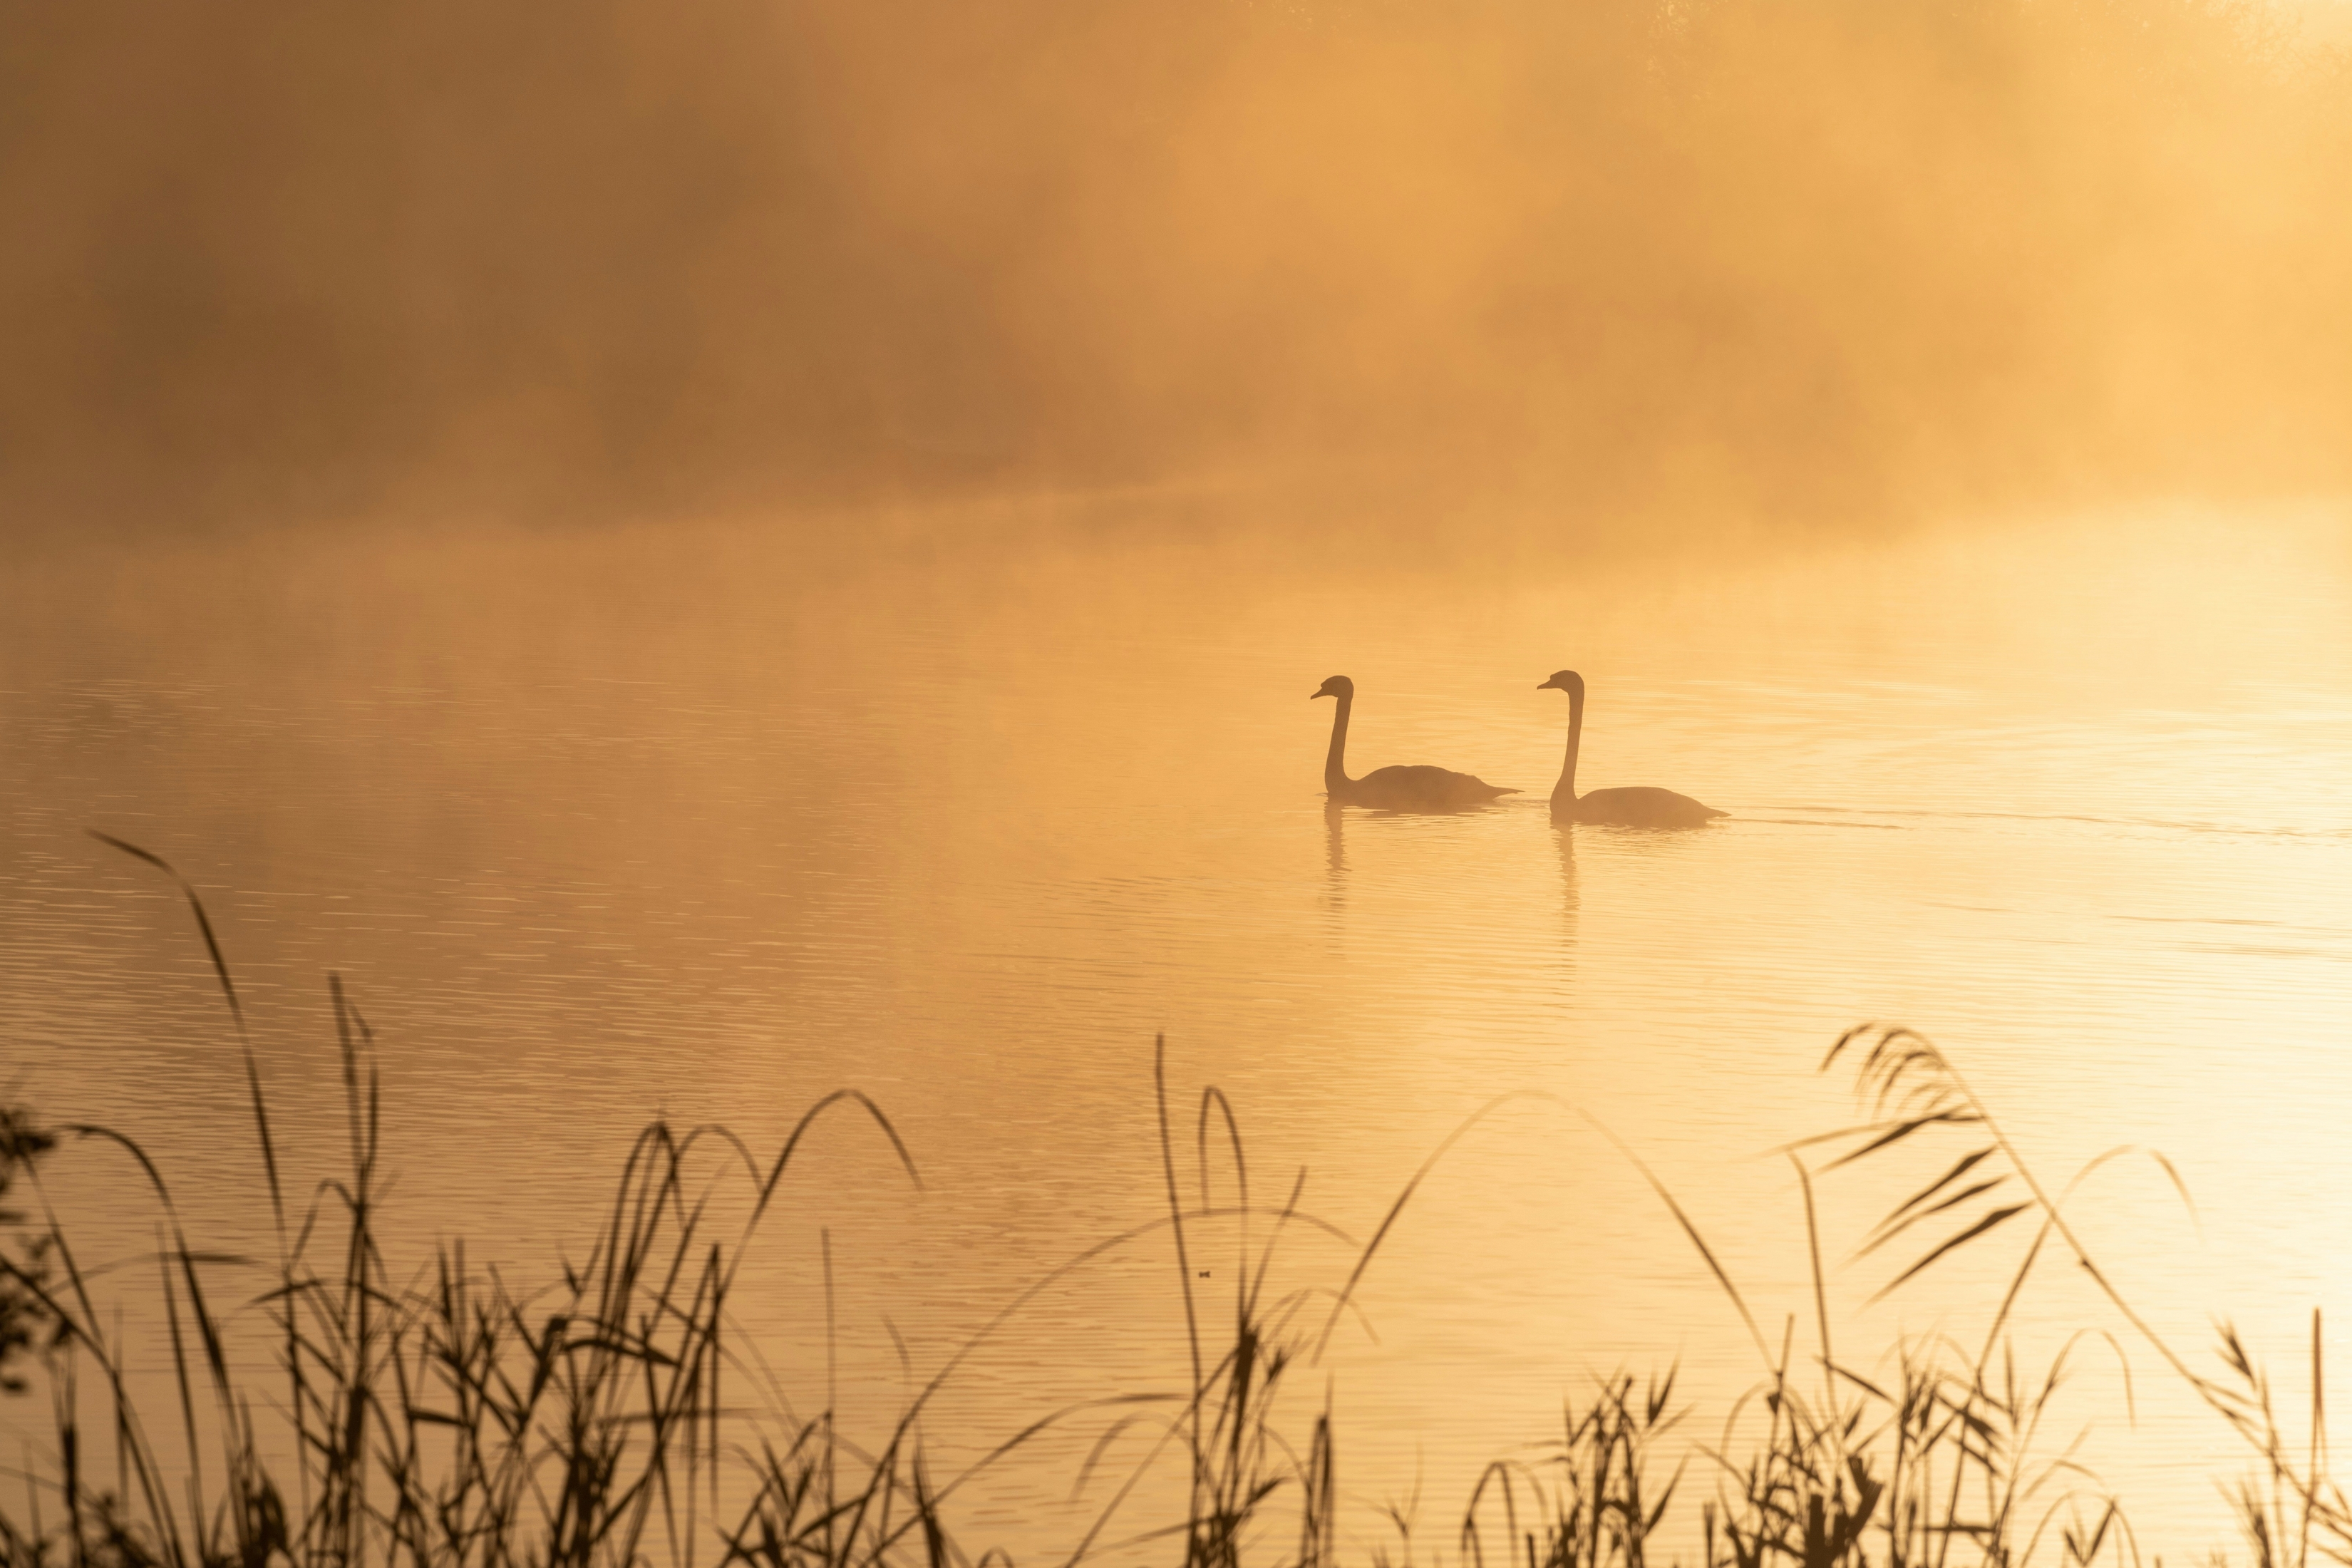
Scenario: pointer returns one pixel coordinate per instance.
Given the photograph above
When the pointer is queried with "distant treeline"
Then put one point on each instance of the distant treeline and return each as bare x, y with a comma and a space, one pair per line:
1773, 258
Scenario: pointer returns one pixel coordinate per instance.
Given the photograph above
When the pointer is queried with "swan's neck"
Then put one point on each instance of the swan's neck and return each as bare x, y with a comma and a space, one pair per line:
1335, 766
1563, 794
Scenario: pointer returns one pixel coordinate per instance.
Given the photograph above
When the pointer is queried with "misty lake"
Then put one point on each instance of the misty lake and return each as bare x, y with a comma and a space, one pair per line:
706, 821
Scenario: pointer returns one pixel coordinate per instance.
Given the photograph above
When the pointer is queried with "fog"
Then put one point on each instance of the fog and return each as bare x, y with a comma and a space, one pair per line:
699, 553
1794, 262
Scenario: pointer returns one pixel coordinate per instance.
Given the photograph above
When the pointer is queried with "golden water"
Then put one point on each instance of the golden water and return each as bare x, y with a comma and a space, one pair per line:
707, 821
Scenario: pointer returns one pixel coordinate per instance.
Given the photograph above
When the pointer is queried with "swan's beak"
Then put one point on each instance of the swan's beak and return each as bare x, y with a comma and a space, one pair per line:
1547, 685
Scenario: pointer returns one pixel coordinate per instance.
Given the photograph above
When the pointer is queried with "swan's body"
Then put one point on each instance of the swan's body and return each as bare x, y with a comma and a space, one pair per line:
1413, 787
1631, 805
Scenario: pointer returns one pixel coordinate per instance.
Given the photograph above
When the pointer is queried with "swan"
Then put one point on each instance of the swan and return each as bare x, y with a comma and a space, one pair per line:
1634, 805
1414, 788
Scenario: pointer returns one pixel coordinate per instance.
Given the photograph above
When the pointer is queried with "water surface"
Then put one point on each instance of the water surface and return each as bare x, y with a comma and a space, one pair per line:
708, 820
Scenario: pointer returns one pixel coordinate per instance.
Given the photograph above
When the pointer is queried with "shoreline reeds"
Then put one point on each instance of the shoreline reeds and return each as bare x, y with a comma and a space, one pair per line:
452, 1419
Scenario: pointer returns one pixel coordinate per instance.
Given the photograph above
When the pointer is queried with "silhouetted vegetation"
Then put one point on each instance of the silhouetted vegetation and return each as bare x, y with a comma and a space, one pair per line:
446, 1416
22, 1316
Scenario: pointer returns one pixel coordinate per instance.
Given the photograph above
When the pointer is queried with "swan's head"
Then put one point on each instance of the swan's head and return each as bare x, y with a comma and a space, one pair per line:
1338, 686
1566, 680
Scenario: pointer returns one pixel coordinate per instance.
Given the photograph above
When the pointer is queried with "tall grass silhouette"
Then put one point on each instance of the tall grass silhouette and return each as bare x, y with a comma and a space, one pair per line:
445, 1416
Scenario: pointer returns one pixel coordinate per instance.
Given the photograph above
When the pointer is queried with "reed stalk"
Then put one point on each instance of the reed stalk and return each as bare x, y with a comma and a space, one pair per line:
446, 1418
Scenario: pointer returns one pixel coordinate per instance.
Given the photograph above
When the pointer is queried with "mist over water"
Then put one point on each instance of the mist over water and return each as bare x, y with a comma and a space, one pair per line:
1642, 265
699, 554
666, 820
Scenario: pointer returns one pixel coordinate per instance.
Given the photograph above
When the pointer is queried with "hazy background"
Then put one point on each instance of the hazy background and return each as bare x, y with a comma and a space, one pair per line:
460, 396
1647, 258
